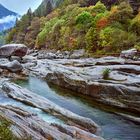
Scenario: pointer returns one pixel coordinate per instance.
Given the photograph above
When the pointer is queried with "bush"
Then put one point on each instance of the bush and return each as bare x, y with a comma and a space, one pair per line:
33, 31
76, 24
103, 22
121, 13
41, 38
10, 36
5, 133
106, 73
99, 8
137, 46
57, 26
115, 40
65, 33
55, 34
91, 39
99, 17
84, 18
135, 25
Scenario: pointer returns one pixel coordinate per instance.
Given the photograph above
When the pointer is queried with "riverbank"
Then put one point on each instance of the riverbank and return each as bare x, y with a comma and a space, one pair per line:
112, 126
120, 90
85, 76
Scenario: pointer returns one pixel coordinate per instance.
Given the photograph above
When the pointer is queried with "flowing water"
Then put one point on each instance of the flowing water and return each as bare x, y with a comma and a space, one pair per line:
113, 127
46, 117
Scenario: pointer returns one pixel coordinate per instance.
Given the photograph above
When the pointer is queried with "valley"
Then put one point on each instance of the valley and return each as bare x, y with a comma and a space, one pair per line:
70, 70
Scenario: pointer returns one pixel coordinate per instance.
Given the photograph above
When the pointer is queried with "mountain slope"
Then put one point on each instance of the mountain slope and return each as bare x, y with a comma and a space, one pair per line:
106, 27
7, 18
46, 7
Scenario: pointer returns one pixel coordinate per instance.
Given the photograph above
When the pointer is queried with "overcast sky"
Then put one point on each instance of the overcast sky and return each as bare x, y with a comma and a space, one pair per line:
20, 6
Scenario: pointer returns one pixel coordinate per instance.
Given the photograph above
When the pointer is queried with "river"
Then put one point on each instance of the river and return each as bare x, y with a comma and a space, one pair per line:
113, 126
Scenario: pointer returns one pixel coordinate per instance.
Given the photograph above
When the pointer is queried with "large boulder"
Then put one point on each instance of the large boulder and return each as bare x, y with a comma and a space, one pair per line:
13, 66
129, 54
9, 50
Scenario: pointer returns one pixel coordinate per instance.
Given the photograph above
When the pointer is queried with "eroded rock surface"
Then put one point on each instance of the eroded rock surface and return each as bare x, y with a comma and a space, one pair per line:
121, 89
76, 54
31, 99
85, 76
13, 66
27, 125
130, 54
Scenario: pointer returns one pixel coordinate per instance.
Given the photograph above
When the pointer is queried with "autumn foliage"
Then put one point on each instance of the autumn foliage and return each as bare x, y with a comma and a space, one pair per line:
76, 24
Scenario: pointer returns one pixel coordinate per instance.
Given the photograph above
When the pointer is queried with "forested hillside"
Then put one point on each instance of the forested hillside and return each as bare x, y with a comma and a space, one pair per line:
102, 27
2, 39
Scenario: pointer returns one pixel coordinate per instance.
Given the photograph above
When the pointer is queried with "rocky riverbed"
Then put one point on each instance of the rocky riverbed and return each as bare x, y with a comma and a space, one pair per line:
83, 75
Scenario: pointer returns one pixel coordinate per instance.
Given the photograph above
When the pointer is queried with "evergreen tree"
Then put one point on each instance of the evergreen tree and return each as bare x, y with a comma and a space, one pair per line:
48, 8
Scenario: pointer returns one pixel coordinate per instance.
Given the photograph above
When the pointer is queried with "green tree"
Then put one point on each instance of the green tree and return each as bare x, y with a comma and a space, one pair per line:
115, 40
99, 8
91, 40
5, 133
84, 18
41, 38
122, 13
32, 32
48, 8
135, 25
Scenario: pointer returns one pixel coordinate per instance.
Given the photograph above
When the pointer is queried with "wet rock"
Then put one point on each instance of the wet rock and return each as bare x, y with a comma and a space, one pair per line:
117, 95
121, 90
134, 119
76, 132
129, 54
13, 66
46, 55
16, 58
61, 55
3, 61
28, 58
28, 125
13, 50
77, 54
29, 98
31, 51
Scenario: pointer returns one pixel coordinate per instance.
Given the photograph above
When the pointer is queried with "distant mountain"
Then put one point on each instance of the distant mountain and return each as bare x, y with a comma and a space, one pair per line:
5, 12
7, 18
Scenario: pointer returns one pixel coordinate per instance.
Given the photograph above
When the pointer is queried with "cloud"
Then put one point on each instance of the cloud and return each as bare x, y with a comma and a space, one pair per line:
7, 19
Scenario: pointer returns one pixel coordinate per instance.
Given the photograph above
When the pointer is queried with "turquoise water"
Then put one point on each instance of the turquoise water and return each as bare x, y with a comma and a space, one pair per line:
113, 127
46, 117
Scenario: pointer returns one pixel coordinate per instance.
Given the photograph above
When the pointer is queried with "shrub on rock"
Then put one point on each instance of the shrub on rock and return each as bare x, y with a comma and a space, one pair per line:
106, 73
